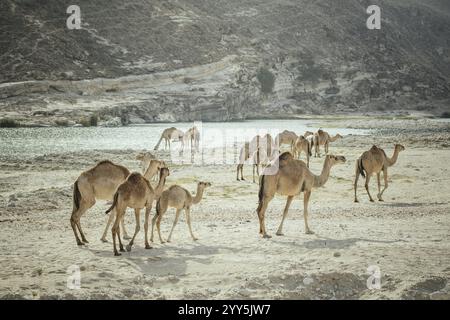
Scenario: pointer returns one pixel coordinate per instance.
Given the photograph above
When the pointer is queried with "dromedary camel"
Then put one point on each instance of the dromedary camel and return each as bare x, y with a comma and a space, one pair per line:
286, 137
151, 171
322, 138
374, 161
180, 199
302, 144
168, 135
137, 193
291, 178
145, 158
192, 137
259, 150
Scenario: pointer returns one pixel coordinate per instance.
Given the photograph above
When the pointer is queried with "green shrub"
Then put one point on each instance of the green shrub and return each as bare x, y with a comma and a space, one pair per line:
9, 123
445, 114
266, 79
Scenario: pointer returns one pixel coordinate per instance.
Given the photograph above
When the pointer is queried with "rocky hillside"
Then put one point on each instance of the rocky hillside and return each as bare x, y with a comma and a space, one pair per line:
172, 60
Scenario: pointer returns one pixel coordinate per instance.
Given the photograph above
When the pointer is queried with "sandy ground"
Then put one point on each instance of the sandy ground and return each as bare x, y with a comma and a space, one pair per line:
407, 237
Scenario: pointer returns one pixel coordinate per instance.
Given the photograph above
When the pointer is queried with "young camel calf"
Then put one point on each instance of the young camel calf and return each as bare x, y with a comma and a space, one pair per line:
137, 193
178, 198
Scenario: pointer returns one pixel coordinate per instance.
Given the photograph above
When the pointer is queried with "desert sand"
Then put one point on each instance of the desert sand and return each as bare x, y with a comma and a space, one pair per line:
407, 237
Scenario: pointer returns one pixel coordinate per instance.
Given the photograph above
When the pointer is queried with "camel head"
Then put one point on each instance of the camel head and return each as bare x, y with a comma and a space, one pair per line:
203, 185
144, 156
164, 173
339, 136
308, 133
399, 147
336, 159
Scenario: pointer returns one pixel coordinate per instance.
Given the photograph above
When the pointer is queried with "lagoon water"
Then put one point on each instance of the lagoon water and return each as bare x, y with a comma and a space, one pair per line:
25, 143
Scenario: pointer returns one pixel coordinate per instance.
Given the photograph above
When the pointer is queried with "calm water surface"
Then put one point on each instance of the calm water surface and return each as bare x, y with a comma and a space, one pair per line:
25, 143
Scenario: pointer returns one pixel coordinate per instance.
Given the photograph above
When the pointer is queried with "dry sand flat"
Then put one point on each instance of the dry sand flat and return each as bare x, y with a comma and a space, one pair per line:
407, 236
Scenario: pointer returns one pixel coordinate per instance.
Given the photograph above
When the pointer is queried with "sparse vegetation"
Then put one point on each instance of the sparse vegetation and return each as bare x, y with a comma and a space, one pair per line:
62, 122
267, 80
9, 123
445, 114
91, 121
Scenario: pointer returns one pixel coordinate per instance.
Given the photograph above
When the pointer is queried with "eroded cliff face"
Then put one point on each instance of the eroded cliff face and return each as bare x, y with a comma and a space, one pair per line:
148, 61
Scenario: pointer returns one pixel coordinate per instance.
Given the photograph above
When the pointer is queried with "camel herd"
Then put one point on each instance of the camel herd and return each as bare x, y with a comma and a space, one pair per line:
283, 173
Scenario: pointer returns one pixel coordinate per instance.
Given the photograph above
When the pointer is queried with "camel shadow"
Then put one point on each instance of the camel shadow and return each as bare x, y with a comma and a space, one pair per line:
165, 259
329, 243
413, 205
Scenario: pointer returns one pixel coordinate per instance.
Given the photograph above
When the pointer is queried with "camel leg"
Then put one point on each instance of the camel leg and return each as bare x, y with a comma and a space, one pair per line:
385, 176
147, 214
76, 217
188, 220
307, 195
307, 159
116, 231
254, 166
285, 212
367, 186
137, 213
177, 215
326, 148
110, 220
237, 172
261, 212
125, 233
158, 226
355, 184
379, 186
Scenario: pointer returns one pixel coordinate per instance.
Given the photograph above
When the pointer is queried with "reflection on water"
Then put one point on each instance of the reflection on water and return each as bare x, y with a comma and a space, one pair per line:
23, 143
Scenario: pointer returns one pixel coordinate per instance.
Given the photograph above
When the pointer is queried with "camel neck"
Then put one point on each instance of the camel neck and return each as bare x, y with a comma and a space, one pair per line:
159, 188
198, 195
391, 161
319, 181
333, 139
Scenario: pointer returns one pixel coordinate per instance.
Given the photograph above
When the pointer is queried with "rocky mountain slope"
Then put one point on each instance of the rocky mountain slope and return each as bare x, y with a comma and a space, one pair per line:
159, 60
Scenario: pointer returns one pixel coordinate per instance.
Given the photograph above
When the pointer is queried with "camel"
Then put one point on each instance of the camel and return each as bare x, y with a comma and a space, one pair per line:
302, 144
145, 158
259, 150
170, 134
180, 199
137, 193
286, 137
151, 171
192, 136
97, 183
322, 138
373, 162
291, 178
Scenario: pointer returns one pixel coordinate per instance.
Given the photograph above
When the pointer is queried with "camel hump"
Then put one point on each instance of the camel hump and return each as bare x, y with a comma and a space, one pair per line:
285, 156
104, 162
134, 177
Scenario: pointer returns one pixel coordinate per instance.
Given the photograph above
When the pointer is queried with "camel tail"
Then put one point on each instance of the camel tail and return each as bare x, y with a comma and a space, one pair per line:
76, 196
158, 207
159, 142
116, 196
260, 193
360, 168
309, 149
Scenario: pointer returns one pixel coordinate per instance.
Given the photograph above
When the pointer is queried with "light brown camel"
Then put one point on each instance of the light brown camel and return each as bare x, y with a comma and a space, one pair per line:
192, 138
169, 134
373, 162
291, 178
137, 193
180, 199
97, 183
145, 158
322, 138
286, 137
151, 171
259, 150
302, 145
